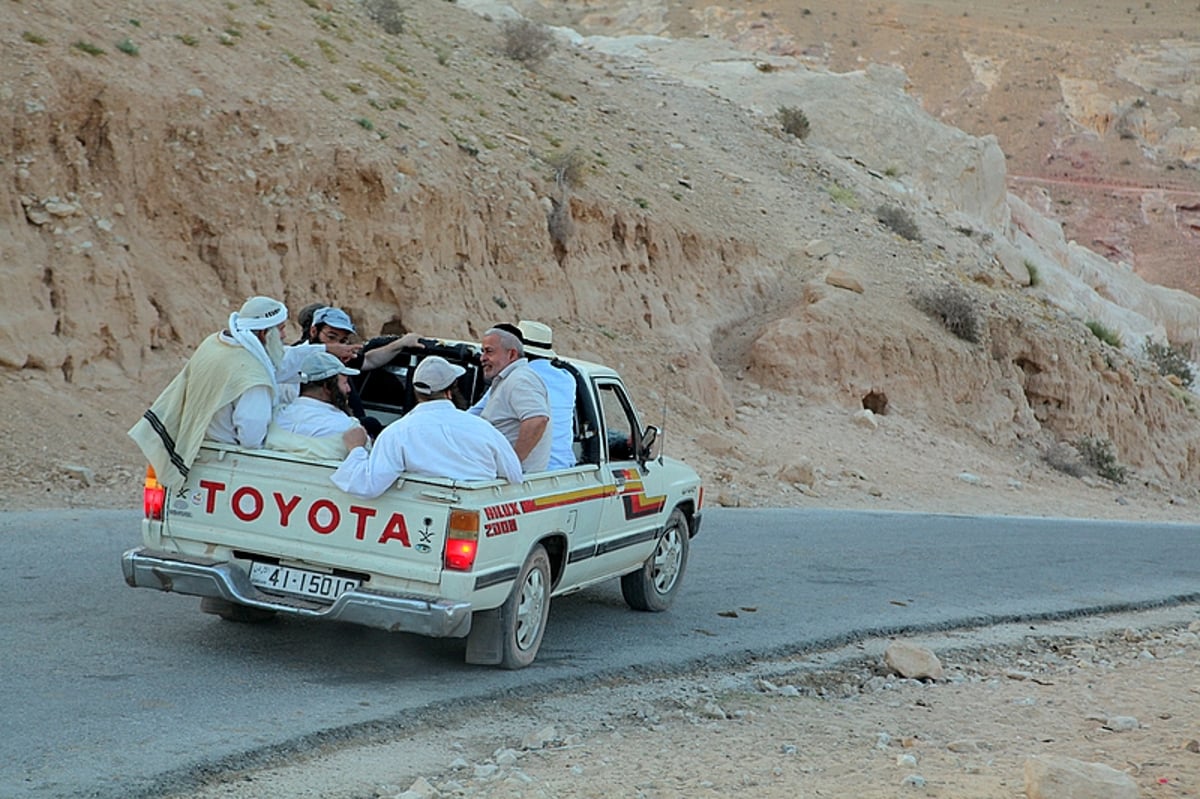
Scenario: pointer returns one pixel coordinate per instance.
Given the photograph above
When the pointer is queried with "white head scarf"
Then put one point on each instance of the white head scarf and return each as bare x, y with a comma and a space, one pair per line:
258, 313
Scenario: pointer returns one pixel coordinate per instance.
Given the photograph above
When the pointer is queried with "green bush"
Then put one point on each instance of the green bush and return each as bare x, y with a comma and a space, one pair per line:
1098, 453
955, 308
793, 121
1170, 361
1109, 337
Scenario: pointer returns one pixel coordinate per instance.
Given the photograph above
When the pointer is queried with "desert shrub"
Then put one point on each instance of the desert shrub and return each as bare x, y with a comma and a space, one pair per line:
1098, 454
570, 168
1064, 458
387, 14
1170, 360
1109, 337
899, 220
955, 308
793, 121
88, 47
842, 195
559, 223
527, 41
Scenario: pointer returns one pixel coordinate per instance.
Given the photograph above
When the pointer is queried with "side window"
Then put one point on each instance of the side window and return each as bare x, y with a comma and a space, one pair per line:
620, 425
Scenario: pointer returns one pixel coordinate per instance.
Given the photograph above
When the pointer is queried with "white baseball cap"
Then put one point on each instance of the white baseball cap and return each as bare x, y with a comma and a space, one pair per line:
434, 374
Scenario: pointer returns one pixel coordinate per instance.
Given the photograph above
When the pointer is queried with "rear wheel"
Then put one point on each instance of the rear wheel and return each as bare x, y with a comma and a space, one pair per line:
232, 611
523, 615
654, 585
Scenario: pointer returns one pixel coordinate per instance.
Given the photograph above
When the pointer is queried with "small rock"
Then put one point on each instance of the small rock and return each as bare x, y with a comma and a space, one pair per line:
818, 249
420, 789
915, 780
539, 737
963, 747
866, 418
843, 280
907, 760
1051, 777
912, 661
1121, 723
81, 473
972, 479
1192, 746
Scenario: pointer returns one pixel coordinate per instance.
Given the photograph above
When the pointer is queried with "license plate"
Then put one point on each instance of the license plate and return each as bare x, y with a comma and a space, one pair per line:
290, 580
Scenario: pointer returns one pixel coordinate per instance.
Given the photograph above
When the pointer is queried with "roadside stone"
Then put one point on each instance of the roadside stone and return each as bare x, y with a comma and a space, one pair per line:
1053, 777
1121, 723
420, 789
81, 473
906, 760
800, 471
915, 780
963, 747
485, 771
539, 737
912, 661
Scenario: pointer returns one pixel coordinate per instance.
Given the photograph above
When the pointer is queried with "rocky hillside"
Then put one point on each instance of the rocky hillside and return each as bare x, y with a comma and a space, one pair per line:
640, 195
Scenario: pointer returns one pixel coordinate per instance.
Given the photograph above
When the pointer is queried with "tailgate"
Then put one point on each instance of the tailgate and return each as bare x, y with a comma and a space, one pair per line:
274, 505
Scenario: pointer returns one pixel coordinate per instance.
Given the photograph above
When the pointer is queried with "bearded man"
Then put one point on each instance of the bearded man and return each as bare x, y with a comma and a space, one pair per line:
225, 392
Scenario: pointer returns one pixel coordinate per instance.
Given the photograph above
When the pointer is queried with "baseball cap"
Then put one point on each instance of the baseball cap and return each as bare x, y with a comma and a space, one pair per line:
434, 374
318, 365
334, 317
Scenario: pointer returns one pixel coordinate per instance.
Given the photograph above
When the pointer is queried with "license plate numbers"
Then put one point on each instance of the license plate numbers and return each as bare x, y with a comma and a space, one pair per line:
290, 580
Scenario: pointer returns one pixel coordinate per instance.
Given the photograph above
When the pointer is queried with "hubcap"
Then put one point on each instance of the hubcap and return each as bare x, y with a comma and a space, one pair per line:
667, 559
529, 609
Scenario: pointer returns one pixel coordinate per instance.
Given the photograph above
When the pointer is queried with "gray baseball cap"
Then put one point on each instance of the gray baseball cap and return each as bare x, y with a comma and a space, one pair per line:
318, 365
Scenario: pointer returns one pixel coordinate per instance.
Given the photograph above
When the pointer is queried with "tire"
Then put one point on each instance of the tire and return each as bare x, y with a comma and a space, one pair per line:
653, 587
523, 615
232, 611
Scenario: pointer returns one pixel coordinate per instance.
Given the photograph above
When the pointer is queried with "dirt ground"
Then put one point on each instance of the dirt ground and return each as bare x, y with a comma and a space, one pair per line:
1122, 691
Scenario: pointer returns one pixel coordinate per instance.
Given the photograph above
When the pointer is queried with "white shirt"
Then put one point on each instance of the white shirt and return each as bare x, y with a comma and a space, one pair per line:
310, 416
435, 439
243, 421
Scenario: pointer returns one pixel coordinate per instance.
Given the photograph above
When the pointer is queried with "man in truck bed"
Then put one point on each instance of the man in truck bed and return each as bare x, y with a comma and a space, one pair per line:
435, 438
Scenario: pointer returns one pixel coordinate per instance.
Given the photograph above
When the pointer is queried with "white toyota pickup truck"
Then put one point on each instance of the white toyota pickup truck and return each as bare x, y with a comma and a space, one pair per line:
260, 532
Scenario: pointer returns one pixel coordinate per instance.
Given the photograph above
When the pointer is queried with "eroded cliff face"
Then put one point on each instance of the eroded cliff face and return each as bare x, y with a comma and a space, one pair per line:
412, 182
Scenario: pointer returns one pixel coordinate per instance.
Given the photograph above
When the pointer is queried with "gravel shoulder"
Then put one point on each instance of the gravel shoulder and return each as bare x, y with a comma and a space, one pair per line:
1121, 690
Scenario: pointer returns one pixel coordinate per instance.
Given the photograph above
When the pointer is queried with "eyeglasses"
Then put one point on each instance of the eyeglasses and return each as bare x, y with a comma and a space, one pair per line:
330, 335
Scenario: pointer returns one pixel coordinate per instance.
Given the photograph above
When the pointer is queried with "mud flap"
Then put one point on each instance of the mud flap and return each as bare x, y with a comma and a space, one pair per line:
485, 643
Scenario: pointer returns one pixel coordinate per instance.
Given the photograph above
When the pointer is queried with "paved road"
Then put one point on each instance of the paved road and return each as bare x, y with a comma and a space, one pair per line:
113, 692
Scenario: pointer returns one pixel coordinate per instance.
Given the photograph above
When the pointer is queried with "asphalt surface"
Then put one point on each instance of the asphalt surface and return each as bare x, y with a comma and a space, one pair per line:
110, 691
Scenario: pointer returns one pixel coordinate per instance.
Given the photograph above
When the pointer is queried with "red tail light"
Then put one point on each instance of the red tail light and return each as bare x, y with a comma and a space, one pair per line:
153, 496
462, 540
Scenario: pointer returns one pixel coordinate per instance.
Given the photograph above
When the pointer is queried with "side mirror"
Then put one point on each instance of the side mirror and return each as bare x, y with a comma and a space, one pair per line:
646, 447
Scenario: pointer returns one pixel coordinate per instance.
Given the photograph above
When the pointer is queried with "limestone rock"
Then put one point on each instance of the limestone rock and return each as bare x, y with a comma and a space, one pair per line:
912, 661
1053, 777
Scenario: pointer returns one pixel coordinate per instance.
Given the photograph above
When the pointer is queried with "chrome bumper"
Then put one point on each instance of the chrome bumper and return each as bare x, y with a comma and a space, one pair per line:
181, 574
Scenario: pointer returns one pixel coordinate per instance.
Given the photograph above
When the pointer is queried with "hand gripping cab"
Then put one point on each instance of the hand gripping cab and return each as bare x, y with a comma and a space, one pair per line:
258, 532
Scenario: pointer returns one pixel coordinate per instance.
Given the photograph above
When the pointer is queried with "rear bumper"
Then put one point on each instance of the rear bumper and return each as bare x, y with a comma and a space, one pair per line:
145, 568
